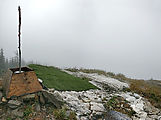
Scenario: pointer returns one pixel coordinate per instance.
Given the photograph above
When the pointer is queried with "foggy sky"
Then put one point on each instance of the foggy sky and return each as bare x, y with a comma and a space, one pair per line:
122, 36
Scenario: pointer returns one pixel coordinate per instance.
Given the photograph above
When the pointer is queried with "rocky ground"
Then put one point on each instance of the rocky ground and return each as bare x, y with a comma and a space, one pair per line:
111, 97
112, 101
43, 105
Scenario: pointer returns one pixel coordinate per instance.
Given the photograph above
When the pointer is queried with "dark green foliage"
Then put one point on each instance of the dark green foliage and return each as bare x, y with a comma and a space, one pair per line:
55, 78
112, 102
9, 118
110, 73
27, 111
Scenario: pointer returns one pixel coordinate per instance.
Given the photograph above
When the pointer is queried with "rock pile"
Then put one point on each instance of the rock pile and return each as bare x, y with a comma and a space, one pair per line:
144, 110
37, 105
86, 103
93, 104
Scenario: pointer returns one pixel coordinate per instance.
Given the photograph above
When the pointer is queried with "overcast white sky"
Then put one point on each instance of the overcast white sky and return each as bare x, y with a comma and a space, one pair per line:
114, 35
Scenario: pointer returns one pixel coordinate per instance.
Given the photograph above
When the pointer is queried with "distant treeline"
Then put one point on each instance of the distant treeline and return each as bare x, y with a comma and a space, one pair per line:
6, 63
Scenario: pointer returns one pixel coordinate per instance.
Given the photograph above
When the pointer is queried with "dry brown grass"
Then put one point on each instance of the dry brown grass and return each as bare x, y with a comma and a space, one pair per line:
151, 91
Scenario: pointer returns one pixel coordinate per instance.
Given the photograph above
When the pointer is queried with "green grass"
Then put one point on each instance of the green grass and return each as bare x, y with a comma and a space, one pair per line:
55, 78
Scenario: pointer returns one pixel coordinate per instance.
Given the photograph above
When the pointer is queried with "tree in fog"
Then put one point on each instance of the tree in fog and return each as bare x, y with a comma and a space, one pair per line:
2, 61
6, 63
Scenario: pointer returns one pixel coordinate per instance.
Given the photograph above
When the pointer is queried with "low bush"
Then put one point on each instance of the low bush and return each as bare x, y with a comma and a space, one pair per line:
61, 114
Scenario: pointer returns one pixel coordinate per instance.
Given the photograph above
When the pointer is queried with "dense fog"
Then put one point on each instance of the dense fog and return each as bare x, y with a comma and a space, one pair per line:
121, 36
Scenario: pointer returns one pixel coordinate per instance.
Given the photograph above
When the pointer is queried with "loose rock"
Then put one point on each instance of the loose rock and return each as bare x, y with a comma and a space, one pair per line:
97, 107
37, 107
53, 98
14, 103
17, 112
4, 99
41, 99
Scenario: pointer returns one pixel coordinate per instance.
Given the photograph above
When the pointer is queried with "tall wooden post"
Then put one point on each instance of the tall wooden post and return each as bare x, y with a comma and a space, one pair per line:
19, 36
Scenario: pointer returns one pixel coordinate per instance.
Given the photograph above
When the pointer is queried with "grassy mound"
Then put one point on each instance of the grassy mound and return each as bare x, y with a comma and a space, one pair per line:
55, 78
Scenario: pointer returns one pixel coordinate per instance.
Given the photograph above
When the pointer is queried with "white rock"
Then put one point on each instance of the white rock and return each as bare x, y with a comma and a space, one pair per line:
101, 79
83, 118
96, 84
40, 80
136, 96
150, 109
155, 117
128, 97
85, 102
18, 72
14, 103
97, 107
159, 118
4, 99
136, 104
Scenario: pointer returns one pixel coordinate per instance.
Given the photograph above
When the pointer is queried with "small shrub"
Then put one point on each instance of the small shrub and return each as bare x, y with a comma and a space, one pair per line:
9, 118
131, 113
28, 111
126, 89
85, 78
119, 104
120, 76
60, 114
72, 116
72, 69
111, 103
111, 74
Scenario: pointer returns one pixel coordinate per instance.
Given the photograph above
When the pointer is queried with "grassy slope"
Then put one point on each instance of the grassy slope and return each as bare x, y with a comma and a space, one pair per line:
55, 78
